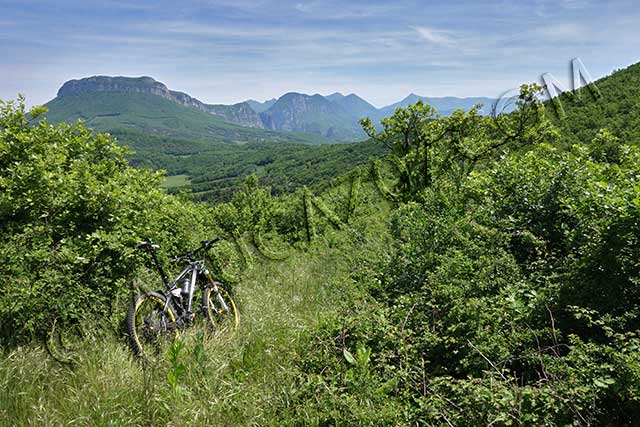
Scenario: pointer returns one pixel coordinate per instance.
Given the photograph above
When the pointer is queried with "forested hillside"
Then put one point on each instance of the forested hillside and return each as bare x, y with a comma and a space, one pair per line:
213, 172
486, 273
613, 104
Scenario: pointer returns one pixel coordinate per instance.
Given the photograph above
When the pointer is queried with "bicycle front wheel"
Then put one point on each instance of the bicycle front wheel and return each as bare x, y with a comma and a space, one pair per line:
149, 323
220, 308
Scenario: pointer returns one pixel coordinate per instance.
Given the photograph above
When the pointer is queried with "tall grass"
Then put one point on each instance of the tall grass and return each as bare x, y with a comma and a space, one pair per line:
241, 380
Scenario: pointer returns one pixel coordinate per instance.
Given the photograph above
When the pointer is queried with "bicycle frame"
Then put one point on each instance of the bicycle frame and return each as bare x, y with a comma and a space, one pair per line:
195, 269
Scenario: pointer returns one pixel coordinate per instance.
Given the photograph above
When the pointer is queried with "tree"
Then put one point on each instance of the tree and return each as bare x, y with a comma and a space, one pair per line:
431, 146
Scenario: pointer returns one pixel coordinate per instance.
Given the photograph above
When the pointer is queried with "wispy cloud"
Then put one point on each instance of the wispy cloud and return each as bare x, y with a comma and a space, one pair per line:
192, 28
303, 7
435, 37
574, 4
228, 50
341, 10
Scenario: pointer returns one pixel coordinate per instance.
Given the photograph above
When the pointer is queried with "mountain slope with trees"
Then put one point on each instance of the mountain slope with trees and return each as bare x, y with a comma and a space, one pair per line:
612, 103
312, 114
214, 171
106, 104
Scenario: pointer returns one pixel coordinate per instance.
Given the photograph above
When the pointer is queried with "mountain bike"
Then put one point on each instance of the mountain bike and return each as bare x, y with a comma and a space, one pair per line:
154, 316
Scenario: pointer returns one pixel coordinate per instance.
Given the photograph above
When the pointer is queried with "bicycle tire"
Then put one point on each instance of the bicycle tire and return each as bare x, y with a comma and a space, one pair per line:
217, 318
143, 329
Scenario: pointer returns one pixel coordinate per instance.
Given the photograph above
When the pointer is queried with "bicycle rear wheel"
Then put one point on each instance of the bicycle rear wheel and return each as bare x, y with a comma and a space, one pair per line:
220, 309
149, 324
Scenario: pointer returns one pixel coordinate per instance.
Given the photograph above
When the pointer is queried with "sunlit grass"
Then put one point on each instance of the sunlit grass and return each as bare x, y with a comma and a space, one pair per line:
238, 380
175, 181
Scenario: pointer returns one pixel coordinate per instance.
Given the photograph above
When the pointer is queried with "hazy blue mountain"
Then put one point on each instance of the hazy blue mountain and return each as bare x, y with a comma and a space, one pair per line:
355, 106
334, 96
334, 116
338, 117
240, 113
443, 105
312, 114
258, 106
108, 103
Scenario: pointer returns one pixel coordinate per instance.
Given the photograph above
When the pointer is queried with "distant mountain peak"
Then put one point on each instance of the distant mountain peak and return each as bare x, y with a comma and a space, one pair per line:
315, 114
240, 113
412, 98
143, 84
266, 100
258, 106
334, 96
444, 105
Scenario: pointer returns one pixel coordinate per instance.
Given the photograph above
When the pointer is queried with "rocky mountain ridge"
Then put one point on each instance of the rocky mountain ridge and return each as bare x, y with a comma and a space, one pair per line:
312, 114
334, 116
240, 113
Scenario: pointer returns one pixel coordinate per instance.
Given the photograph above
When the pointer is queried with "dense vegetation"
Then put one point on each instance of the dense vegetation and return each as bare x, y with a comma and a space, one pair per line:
214, 156
510, 297
486, 275
612, 104
70, 209
215, 171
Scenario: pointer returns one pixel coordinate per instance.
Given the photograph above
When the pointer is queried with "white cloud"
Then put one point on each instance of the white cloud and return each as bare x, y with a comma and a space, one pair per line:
191, 28
436, 37
304, 8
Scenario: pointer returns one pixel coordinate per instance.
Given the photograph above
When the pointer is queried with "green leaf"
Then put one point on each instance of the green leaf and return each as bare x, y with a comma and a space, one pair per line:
349, 356
604, 382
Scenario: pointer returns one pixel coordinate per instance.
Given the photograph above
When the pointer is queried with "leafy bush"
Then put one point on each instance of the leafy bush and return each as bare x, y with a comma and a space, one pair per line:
511, 298
71, 211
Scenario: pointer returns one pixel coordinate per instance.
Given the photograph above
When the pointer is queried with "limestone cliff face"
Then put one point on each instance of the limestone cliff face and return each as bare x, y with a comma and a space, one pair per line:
237, 113
188, 101
114, 84
312, 114
241, 113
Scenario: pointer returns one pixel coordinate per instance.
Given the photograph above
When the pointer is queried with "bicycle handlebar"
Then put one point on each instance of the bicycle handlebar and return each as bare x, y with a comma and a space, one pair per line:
204, 245
187, 256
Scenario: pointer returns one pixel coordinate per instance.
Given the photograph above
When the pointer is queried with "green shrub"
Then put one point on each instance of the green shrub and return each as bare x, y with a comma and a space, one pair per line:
510, 299
71, 211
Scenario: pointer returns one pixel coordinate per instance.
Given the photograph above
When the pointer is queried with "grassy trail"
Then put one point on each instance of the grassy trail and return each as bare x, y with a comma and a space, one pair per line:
244, 380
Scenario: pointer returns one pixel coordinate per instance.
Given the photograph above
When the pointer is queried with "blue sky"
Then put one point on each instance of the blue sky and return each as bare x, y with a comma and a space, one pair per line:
230, 50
